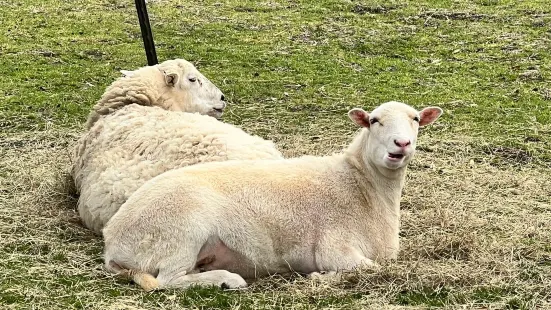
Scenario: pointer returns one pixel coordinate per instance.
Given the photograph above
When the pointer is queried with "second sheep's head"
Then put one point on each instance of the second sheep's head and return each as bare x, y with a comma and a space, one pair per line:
392, 129
185, 89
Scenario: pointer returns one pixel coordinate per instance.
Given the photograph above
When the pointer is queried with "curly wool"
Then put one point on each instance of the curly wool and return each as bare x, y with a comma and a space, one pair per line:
142, 89
222, 223
132, 145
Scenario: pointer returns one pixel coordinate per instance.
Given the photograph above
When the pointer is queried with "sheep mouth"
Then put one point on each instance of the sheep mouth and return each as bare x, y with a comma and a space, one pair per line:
395, 156
216, 113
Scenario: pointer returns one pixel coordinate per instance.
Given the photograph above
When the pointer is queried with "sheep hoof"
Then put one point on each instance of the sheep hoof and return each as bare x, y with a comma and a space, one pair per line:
325, 276
233, 283
146, 281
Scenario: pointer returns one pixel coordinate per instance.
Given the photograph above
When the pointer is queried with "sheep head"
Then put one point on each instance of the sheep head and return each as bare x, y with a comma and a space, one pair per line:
184, 88
392, 130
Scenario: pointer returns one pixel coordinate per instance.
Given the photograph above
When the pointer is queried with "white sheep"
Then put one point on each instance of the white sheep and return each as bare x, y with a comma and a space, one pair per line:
218, 223
174, 85
127, 146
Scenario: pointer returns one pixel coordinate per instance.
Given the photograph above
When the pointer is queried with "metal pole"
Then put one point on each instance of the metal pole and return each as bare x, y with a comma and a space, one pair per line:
146, 33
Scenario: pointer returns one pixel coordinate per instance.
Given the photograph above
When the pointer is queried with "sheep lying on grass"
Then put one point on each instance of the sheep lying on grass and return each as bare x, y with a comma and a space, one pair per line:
217, 223
128, 146
174, 85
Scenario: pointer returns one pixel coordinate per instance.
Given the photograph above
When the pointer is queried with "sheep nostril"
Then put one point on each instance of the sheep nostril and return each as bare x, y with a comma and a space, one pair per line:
402, 143
222, 98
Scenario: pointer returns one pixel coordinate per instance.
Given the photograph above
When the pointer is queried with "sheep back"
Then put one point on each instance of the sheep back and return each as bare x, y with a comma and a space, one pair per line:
132, 145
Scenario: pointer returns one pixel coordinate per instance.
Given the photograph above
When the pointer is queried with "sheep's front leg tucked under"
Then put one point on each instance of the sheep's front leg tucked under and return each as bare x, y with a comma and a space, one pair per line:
332, 262
325, 276
220, 278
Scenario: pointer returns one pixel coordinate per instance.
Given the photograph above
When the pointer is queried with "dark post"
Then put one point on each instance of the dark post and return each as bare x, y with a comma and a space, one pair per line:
146, 33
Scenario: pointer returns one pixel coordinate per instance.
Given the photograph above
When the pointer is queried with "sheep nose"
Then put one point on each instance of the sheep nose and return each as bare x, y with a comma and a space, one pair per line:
402, 143
222, 98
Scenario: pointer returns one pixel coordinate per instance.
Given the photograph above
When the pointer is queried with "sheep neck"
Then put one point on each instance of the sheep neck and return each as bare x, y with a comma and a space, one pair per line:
153, 89
126, 91
376, 183
142, 89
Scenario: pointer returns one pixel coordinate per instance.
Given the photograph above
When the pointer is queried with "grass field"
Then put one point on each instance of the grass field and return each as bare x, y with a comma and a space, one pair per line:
476, 211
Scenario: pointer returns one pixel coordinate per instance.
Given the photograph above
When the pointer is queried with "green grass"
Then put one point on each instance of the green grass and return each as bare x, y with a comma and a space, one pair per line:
468, 57
477, 205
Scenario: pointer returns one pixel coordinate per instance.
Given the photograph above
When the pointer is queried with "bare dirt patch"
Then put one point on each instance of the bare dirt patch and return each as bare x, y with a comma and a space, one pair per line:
452, 15
373, 9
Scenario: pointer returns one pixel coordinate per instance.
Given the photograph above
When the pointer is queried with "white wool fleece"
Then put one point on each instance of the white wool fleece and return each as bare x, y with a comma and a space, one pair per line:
221, 223
130, 146
174, 85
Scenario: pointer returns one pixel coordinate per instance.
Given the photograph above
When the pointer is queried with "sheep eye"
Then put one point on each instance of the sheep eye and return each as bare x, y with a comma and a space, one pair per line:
373, 121
192, 79
416, 119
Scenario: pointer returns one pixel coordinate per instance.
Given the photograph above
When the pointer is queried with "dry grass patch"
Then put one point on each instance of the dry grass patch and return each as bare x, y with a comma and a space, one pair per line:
476, 210
473, 233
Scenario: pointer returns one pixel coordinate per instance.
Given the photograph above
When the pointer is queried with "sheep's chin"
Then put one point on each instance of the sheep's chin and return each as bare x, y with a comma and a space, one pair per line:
216, 113
393, 163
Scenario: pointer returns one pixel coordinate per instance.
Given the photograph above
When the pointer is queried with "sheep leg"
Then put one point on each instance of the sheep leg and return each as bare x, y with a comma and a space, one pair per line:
325, 276
220, 278
337, 263
331, 260
146, 281
337, 274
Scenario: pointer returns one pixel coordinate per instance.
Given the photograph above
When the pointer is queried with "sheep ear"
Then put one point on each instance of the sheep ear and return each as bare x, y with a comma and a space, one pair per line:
429, 115
171, 78
359, 116
127, 73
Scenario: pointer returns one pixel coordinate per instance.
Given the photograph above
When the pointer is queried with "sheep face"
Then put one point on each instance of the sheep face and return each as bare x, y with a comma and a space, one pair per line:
392, 130
183, 88
190, 91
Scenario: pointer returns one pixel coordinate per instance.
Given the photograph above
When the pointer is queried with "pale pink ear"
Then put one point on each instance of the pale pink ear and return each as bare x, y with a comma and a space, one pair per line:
429, 115
359, 117
171, 78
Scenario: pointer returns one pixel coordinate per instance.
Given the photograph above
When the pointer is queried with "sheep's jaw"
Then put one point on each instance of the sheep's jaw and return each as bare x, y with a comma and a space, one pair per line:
395, 156
216, 113
395, 160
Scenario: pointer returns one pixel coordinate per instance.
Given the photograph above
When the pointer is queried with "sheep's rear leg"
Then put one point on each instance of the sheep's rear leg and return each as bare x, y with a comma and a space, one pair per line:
145, 280
220, 278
